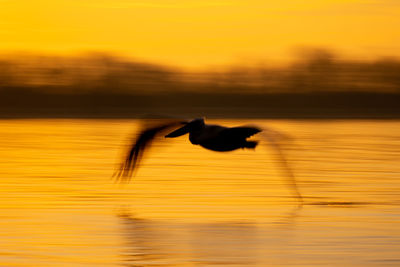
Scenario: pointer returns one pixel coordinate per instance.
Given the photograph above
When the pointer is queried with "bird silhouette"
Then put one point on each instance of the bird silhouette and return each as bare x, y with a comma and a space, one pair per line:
213, 137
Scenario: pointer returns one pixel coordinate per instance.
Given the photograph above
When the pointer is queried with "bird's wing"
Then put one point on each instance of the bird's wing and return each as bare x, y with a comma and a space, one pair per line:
274, 138
135, 153
241, 132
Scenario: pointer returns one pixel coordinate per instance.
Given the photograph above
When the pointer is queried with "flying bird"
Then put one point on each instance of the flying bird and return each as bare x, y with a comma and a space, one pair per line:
213, 137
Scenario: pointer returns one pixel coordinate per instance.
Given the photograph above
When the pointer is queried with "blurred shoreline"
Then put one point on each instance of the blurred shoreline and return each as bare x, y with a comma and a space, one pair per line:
302, 106
317, 84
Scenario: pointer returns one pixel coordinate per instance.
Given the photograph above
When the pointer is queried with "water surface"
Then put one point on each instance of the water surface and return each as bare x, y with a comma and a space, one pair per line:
191, 207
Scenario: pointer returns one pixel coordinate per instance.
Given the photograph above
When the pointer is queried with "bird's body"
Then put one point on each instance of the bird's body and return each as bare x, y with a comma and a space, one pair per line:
216, 137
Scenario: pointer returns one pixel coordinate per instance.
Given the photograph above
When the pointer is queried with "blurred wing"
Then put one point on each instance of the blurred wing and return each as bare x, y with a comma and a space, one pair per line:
273, 137
143, 141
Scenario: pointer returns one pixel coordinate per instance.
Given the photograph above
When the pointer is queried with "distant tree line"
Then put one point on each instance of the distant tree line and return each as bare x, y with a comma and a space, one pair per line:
317, 84
314, 71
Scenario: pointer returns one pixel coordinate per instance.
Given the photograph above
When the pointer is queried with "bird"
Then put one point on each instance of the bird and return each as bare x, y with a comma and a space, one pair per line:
209, 136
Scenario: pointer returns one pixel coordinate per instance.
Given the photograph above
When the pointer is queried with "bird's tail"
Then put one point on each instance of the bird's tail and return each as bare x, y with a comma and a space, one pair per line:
251, 144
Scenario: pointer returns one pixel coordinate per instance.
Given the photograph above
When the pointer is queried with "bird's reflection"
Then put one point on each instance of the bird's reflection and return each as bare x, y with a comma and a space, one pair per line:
174, 243
143, 241
177, 242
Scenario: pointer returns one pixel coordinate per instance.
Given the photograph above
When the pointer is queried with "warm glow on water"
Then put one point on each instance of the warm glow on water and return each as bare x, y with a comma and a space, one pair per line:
191, 207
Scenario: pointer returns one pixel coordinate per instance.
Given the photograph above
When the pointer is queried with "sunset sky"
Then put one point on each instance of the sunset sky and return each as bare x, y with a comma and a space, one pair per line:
198, 33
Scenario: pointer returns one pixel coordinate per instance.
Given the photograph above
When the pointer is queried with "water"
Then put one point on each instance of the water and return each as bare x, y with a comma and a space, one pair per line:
191, 207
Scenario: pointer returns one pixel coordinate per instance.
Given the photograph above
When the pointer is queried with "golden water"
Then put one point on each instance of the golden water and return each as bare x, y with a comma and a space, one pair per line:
191, 207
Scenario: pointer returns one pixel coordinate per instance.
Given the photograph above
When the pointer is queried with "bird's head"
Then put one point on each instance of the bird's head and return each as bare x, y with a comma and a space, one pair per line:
190, 126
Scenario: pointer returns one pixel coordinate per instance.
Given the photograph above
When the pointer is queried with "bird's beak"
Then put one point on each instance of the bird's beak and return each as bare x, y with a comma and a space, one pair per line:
181, 131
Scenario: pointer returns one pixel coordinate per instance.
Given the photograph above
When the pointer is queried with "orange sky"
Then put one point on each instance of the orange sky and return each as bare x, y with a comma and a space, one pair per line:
198, 33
